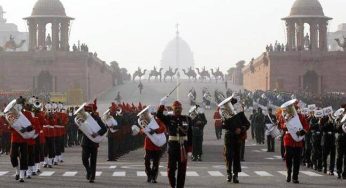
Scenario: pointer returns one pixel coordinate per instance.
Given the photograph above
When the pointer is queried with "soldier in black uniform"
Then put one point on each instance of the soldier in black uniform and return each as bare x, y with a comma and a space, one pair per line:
270, 119
252, 120
179, 128
235, 128
316, 136
328, 144
198, 122
259, 126
308, 146
341, 148
89, 148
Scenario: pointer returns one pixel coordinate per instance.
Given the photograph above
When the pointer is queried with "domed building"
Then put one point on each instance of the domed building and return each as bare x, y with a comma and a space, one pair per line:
49, 67
305, 64
177, 54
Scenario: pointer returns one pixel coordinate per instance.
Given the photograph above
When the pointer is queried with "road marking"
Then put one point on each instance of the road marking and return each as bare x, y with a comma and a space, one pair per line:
141, 173
263, 173
113, 167
243, 174
119, 174
277, 157
215, 173
47, 173
98, 173
3, 173
309, 173
283, 173
69, 173
191, 173
263, 149
257, 151
269, 158
163, 174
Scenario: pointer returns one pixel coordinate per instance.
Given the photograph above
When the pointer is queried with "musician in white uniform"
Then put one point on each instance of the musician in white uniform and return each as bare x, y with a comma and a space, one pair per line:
270, 121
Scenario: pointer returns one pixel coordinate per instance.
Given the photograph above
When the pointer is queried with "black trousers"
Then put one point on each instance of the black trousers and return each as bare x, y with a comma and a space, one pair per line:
175, 162
232, 154
326, 151
37, 150
57, 146
19, 150
270, 143
5, 142
293, 158
341, 158
218, 132
89, 158
197, 141
242, 149
49, 147
308, 149
31, 155
154, 156
282, 147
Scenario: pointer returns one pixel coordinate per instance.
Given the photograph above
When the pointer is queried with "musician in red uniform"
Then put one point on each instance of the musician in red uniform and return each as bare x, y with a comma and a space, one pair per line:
218, 123
48, 129
19, 149
42, 140
293, 149
152, 152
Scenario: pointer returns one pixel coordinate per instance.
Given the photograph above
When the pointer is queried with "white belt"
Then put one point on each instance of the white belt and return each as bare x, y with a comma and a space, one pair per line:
48, 126
176, 138
330, 133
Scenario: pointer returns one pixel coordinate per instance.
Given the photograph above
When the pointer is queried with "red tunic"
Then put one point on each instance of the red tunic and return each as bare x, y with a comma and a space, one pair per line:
217, 118
148, 145
288, 140
41, 117
48, 127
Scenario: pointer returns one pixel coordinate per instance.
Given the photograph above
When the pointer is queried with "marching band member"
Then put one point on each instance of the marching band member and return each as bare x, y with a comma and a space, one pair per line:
198, 122
328, 144
151, 126
19, 148
316, 137
293, 148
89, 148
341, 145
179, 129
218, 123
48, 129
271, 120
235, 126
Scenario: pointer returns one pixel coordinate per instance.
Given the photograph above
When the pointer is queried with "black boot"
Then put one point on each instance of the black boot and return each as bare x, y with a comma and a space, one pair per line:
295, 181
149, 178
235, 178
288, 179
17, 177
339, 175
229, 177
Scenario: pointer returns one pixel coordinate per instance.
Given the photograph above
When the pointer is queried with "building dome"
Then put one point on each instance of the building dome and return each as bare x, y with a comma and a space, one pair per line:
307, 8
185, 55
48, 8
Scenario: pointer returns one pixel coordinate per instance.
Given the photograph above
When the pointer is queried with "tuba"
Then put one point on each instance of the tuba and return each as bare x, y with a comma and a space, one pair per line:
87, 124
292, 120
18, 121
148, 123
109, 120
343, 123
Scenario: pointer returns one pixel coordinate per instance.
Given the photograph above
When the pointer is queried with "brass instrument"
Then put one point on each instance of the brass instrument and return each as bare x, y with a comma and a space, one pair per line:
109, 120
291, 117
18, 121
226, 108
87, 124
148, 123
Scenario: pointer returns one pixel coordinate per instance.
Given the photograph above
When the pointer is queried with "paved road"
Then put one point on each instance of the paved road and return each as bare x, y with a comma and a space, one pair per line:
261, 169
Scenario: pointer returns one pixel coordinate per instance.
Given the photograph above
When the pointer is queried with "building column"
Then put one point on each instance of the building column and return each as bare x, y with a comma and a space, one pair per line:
300, 35
41, 35
32, 35
323, 36
290, 26
313, 36
55, 36
64, 36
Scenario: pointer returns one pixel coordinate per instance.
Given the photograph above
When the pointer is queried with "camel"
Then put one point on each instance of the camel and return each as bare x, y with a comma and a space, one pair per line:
218, 74
155, 73
203, 75
170, 73
11, 44
342, 45
190, 73
139, 73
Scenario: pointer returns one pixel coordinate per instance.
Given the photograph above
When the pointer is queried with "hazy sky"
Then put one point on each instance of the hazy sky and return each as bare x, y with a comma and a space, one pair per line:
135, 32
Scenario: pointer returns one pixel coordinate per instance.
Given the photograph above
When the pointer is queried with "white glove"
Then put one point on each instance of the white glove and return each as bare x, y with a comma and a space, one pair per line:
163, 101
